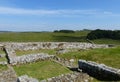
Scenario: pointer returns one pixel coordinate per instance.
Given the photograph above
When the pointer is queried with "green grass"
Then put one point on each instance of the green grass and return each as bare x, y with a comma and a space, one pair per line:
78, 36
3, 67
49, 51
2, 52
3, 59
41, 70
107, 41
110, 56
42, 36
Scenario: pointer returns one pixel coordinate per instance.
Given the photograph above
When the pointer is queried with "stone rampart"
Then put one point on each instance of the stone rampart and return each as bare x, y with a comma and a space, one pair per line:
99, 71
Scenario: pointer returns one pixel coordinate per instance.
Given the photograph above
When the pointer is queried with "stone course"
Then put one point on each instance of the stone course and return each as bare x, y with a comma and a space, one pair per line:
52, 45
71, 77
100, 71
30, 58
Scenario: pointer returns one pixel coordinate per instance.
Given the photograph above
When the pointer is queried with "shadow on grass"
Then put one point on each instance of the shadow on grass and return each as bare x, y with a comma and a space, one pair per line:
69, 38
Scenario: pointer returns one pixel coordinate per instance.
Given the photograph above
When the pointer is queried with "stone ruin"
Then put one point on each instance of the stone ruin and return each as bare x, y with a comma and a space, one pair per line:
83, 65
52, 45
100, 71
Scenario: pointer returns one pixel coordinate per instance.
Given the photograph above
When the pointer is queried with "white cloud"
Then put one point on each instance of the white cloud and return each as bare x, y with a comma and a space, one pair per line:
60, 12
19, 11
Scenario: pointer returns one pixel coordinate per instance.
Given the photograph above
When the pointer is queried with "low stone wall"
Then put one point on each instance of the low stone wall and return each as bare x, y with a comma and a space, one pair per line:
29, 58
52, 45
71, 77
99, 71
10, 53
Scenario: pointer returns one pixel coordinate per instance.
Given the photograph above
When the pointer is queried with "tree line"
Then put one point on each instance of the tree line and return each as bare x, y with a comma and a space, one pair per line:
98, 34
64, 31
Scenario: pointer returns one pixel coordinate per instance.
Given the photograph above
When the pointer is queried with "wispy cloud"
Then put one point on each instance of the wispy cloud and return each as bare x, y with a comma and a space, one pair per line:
7, 10
60, 12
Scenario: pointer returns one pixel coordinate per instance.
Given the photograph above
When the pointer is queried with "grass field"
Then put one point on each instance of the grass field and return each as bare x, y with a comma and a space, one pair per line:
41, 70
42, 36
78, 36
110, 56
107, 41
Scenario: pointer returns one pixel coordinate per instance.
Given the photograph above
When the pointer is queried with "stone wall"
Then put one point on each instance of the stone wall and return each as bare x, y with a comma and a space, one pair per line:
10, 53
71, 77
29, 58
99, 71
52, 45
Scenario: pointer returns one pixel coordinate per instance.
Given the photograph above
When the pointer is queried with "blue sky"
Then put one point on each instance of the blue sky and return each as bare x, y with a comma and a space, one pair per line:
49, 15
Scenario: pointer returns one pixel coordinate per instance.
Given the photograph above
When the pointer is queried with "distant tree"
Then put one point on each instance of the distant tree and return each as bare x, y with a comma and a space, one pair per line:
56, 31
65, 31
